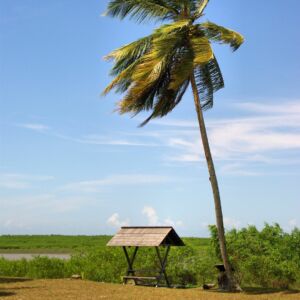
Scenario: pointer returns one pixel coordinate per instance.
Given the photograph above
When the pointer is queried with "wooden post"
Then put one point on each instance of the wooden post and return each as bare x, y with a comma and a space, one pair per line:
130, 260
163, 263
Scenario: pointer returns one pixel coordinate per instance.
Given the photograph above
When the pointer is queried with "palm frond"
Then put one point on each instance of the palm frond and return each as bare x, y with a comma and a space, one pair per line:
209, 80
222, 35
155, 71
143, 61
171, 93
172, 28
125, 56
134, 49
200, 6
167, 102
202, 50
141, 10
123, 80
158, 79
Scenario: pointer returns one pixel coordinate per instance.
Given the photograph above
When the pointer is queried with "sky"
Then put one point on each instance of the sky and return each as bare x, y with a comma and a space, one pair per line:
70, 165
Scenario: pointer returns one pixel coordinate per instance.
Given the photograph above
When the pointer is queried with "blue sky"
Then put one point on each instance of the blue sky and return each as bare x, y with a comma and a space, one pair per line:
69, 165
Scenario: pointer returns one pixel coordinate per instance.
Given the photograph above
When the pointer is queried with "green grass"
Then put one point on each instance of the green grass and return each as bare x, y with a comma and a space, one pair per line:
66, 243
49, 243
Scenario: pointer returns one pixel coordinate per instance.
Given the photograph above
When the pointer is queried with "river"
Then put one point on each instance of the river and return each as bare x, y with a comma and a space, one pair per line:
16, 256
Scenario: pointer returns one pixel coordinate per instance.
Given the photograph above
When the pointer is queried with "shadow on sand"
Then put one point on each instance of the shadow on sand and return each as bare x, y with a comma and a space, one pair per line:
260, 291
6, 294
13, 279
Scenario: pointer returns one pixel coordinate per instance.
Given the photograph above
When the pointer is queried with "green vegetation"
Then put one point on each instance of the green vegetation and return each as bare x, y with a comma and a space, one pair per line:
108, 264
267, 258
50, 243
66, 243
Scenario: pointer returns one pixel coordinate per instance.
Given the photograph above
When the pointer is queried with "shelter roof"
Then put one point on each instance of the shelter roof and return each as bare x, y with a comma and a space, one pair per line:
143, 236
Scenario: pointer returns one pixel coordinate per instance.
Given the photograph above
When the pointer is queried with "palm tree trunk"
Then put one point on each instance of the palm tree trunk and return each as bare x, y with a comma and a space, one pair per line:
214, 185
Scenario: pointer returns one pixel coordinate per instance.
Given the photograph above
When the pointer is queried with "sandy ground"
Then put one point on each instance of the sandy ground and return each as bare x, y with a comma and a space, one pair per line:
14, 288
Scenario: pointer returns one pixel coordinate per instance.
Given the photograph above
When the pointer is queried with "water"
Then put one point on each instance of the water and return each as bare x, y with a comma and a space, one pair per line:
16, 256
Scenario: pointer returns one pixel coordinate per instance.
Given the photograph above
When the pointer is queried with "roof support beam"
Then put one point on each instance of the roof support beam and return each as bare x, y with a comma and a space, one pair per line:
163, 263
130, 260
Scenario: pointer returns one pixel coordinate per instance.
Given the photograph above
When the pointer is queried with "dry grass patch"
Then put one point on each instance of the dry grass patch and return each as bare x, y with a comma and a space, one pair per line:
59, 289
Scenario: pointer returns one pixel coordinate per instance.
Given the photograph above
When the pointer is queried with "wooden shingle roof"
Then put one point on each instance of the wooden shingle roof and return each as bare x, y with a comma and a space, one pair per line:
146, 236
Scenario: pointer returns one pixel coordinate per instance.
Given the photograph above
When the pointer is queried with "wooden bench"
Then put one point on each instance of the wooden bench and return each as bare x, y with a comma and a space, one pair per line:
140, 278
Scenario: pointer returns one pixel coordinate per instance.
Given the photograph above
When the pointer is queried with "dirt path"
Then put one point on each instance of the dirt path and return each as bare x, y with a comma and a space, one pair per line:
62, 289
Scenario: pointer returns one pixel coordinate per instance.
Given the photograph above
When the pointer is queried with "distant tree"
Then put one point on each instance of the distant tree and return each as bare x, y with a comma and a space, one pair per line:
155, 71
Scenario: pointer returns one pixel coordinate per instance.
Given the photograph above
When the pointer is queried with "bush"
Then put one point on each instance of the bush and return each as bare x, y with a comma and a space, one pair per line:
17, 268
44, 267
268, 258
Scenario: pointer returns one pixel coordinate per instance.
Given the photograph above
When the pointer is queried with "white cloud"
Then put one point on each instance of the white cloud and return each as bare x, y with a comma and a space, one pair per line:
35, 127
266, 137
285, 107
175, 123
123, 179
48, 213
116, 139
266, 134
114, 220
169, 222
121, 141
20, 181
96, 139
151, 215
153, 219
239, 170
34, 205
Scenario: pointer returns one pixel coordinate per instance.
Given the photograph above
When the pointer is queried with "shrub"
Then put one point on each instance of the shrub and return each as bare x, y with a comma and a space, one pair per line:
268, 258
44, 267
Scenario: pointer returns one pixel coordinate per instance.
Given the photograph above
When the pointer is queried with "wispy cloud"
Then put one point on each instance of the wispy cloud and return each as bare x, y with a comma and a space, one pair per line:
285, 107
95, 139
96, 185
35, 204
43, 213
35, 126
268, 133
263, 137
114, 139
238, 169
20, 181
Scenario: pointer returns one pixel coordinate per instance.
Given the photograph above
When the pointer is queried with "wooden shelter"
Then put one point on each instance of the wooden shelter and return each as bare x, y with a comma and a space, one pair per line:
150, 236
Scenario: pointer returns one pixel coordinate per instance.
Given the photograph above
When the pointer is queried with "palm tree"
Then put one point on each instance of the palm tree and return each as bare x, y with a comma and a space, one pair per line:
155, 71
